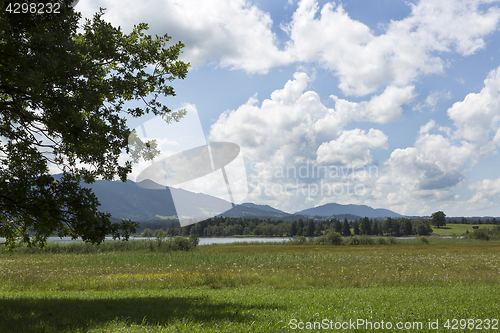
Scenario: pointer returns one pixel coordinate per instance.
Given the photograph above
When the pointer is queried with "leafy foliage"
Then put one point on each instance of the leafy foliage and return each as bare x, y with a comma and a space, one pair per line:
61, 95
438, 219
485, 233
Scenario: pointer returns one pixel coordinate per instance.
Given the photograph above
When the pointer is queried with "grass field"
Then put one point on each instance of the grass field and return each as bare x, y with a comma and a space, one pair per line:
258, 288
457, 229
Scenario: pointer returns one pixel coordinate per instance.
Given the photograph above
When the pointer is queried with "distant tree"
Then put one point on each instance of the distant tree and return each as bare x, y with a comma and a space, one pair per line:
147, 233
160, 236
300, 227
310, 228
393, 227
422, 227
375, 228
405, 227
346, 229
293, 229
171, 230
318, 229
337, 226
365, 227
355, 228
438, 219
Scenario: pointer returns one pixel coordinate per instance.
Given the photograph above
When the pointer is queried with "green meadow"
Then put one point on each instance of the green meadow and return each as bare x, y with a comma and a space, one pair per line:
457, 229
254, 287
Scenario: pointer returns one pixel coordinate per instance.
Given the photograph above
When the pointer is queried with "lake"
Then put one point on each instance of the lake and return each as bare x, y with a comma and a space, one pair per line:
203, 241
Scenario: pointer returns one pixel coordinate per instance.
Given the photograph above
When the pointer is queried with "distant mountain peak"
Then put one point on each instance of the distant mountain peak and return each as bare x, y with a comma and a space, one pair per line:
331, 209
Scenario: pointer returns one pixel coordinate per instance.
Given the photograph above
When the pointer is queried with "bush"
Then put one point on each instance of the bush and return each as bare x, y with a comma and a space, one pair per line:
321, 240
194, 239
181, 243
381, 241
331, 238
424, 240
484, 234
361, 240
334, 238
480, 234
393, 241
366, 240
298, 240
354, 240
147, 233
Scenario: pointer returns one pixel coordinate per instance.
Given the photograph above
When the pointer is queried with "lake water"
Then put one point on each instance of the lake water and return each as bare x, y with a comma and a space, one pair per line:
203, 241
211, 240
227, 240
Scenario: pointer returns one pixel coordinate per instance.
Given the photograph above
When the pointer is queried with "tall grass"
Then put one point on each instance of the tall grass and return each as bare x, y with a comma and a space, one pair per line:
236, 287
267, 266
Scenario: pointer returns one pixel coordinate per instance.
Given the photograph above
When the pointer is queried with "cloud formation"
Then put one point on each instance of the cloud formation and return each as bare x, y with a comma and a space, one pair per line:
438, 162
294, 130
236, 34
351, 148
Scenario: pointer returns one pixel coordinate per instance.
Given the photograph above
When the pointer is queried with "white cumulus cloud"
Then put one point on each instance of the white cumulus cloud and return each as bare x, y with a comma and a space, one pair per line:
351, 147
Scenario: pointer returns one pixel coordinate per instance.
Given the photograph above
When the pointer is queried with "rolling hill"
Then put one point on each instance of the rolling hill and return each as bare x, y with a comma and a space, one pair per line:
332, 209
131, 201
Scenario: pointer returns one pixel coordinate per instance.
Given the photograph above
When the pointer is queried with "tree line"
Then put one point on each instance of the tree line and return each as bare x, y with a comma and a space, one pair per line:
230, 226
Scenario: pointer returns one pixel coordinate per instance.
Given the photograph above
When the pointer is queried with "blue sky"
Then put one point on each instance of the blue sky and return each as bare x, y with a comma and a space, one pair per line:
403, 97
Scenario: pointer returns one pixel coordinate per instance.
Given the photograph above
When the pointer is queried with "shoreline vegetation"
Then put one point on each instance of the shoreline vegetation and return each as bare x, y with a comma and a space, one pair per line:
314, 227
160, 242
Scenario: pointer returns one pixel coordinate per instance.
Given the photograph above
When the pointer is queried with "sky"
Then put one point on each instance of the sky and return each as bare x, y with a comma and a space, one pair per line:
391, 104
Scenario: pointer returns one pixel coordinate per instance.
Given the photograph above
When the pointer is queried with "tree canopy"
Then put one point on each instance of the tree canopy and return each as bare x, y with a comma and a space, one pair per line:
64, 89
438, 219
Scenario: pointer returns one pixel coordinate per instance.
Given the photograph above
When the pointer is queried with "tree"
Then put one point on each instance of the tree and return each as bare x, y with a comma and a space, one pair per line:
337, 226
62, 97
171, 230
355, 228
310, 228
365, 226
147, 233
346, 229
375, 228
438, 219
300, 227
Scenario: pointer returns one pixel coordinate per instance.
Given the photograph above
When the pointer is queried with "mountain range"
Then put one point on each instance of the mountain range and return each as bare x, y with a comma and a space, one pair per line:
359, 210
131, 201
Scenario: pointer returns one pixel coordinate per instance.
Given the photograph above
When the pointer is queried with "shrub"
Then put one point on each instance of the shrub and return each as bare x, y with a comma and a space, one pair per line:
484, 234
321, 240
480, 234
354, 240
298, 240
393, 241
194, 239
424, 240
334, 238
181, 243
366, 240
147, 233
381, 241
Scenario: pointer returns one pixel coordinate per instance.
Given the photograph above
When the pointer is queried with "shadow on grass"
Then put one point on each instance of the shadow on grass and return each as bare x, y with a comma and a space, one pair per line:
60, 314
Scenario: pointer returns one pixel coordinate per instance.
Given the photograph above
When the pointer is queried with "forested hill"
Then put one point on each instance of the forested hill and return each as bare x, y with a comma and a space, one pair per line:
332, 209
